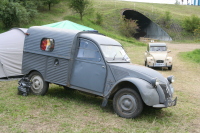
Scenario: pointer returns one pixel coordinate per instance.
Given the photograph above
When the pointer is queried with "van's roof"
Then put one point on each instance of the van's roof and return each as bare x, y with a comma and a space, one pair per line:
70, 34
157, 44
100, 39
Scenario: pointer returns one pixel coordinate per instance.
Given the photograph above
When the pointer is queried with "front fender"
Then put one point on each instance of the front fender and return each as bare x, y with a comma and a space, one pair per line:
150, 61
169, 61
147, 91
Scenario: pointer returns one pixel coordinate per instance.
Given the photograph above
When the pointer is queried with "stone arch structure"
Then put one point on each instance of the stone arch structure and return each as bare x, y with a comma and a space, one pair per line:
148, 28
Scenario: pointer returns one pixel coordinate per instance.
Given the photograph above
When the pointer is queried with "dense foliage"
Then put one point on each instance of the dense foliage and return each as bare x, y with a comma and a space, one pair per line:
165, 19
12, 13
19, 12
128, 27
197, 32
82, 7
99, 18
191, 23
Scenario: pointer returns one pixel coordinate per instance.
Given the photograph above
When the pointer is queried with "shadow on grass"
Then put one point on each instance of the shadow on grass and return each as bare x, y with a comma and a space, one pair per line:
160, 68
151, 114
148, 114
79, 97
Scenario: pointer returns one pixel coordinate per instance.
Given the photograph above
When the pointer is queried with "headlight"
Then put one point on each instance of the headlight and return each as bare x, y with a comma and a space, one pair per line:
154, 82
170, 79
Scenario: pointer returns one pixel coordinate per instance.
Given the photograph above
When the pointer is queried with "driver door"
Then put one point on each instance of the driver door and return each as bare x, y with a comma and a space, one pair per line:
89, 70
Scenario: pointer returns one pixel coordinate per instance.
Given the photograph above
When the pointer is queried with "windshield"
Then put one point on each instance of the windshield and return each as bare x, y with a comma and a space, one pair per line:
158, 48
114, 53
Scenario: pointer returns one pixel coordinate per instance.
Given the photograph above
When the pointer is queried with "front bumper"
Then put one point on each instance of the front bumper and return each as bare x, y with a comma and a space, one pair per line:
168, 103
160, 65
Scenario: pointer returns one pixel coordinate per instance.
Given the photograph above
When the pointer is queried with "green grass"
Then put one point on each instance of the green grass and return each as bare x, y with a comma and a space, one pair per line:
76, 112
192, 56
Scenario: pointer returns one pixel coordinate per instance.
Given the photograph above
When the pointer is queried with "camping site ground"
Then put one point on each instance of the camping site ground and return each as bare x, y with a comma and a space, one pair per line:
72, 111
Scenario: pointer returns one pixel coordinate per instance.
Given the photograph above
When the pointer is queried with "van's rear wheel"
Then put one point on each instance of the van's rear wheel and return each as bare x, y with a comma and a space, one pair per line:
127, 103
39, 86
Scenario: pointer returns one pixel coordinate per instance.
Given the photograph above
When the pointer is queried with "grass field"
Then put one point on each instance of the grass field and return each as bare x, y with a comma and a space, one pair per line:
73, 111
193, 56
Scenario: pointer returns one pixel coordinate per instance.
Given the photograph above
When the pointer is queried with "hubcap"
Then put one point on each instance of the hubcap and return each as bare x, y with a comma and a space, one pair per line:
37, 83
127, 103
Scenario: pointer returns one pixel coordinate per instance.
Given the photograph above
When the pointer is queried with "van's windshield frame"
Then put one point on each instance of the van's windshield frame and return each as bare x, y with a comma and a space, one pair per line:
114, 53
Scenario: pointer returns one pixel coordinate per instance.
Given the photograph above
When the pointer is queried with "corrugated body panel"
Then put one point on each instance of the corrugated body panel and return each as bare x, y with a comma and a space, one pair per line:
33, 62
63, 41
57, 73
119, 74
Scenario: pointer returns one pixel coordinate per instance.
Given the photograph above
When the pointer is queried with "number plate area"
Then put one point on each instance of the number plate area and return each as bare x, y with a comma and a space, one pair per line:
159, 64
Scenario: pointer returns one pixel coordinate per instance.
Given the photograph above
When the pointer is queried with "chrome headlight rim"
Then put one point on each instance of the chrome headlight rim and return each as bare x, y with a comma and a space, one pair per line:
170, 79
154, 82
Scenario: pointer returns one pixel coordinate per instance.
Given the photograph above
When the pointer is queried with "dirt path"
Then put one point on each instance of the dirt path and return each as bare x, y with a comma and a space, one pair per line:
187, 81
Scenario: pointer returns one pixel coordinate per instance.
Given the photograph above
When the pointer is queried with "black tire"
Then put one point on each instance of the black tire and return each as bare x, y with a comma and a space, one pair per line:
145, 63
133, 101
39, 86
170, 68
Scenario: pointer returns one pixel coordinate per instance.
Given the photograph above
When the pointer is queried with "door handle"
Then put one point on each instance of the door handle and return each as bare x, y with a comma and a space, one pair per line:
56, 62
103, 66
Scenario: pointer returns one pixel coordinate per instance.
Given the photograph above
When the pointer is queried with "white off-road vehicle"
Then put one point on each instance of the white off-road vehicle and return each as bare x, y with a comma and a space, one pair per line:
157, 56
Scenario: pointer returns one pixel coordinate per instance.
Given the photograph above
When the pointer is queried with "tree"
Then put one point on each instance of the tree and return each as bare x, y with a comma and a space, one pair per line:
17, 12
12, 13
50, 2
128, 27
82, 7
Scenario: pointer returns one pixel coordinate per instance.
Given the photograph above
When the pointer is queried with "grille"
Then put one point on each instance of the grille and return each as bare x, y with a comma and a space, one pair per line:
160, 61
164, 88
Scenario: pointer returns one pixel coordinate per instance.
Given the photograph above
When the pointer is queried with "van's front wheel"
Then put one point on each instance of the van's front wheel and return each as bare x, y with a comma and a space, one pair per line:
39, 86
127, 103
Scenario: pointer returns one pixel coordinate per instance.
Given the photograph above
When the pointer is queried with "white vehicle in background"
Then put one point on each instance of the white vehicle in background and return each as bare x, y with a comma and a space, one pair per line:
157, 56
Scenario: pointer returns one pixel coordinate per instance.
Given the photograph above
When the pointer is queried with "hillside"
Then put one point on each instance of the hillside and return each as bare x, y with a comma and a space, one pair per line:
111, 12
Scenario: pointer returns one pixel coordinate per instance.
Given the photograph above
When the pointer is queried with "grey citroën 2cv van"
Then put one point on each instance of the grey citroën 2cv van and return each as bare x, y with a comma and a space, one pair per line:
96, 64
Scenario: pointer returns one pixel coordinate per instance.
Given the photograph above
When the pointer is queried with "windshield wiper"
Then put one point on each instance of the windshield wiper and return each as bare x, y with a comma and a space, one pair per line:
114, 56
123, 57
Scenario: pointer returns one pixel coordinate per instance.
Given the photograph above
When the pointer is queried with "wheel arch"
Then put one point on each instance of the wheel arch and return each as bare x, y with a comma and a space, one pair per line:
31, 71
122, 84
147, 92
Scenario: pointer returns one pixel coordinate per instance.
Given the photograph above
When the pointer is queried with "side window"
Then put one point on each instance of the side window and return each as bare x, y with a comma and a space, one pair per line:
88, 51
47, 44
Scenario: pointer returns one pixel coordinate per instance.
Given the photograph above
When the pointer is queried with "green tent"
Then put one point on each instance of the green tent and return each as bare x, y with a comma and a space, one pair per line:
69, 25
